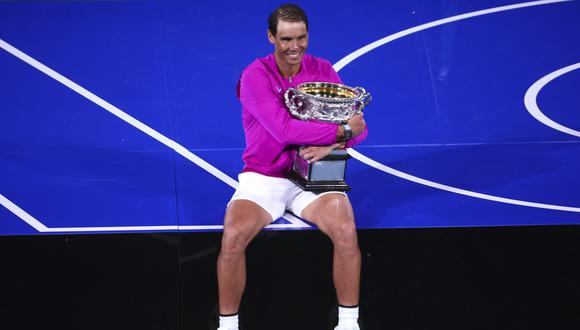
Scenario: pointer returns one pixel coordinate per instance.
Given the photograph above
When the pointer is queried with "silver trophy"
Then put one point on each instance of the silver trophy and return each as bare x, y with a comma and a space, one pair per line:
326, 102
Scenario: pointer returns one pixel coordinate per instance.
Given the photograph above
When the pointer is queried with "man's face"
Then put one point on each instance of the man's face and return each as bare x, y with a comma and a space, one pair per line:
290, 42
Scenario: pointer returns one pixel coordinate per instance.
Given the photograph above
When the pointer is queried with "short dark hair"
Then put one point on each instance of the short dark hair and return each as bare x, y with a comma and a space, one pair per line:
287, 13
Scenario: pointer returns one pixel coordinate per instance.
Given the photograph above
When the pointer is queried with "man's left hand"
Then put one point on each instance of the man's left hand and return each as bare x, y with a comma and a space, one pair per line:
316, 153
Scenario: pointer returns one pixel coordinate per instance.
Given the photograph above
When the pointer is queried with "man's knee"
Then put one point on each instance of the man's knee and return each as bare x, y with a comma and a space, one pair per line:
242, 222
234, 241
235, 237
341, 224
344, 236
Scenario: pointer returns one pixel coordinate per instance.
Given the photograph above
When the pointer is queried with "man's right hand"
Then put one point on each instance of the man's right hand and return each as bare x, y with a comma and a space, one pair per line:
357, 124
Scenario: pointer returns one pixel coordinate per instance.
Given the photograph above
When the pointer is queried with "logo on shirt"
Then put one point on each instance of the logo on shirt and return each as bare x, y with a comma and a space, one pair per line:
279, 89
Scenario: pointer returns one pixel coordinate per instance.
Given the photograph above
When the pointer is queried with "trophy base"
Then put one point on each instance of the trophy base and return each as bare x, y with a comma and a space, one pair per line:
317, 186
326, 174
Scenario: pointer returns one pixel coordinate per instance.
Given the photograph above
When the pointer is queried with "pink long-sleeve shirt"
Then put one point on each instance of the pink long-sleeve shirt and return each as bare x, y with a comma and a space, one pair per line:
271, 131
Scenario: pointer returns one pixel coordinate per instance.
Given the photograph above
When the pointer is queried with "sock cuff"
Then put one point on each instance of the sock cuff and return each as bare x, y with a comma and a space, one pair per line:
343, 306
228, 315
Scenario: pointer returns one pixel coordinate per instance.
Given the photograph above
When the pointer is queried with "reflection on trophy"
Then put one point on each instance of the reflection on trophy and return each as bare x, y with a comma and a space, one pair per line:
327, 102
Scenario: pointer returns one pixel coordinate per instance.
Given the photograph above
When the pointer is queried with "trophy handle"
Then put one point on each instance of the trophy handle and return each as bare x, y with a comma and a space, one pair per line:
290, 100
364, 99
293, 103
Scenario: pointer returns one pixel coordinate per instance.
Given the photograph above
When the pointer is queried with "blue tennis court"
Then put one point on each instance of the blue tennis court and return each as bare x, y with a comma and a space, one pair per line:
122, 116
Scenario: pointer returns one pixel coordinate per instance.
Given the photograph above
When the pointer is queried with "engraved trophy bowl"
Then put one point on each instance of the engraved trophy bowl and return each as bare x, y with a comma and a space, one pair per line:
326, 102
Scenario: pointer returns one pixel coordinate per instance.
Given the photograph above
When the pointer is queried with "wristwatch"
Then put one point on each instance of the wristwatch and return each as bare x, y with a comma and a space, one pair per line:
347, 132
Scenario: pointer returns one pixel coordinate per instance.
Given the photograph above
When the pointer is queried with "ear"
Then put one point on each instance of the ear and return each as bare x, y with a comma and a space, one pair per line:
271, 37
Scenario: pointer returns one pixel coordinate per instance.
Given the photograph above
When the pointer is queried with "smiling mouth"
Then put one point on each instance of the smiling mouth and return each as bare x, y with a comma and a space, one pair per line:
293, 55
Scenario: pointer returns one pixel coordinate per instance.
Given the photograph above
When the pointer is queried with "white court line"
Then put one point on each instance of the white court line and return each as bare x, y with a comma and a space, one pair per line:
294, 222
119, 113
361, 51
530, 100
32, 221
159, 228
460, 191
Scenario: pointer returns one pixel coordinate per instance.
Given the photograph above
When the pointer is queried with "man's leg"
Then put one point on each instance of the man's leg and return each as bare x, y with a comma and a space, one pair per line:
243, 220
333, 214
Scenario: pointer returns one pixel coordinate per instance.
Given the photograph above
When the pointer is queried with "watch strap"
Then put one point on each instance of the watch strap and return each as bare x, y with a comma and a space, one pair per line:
347, 131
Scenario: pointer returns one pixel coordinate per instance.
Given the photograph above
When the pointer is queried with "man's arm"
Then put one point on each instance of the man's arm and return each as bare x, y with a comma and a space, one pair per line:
258, 98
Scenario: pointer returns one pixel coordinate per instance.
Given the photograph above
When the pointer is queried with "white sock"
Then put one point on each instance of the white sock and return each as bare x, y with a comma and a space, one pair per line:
348, 317
229, 322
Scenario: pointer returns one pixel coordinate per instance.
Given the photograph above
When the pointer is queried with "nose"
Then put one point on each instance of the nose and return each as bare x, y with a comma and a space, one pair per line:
294, 44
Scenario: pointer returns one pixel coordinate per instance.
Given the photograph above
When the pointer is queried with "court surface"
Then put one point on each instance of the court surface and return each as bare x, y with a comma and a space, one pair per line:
122, 117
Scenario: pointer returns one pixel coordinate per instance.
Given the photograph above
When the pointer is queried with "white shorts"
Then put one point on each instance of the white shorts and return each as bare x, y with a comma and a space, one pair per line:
275, 195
